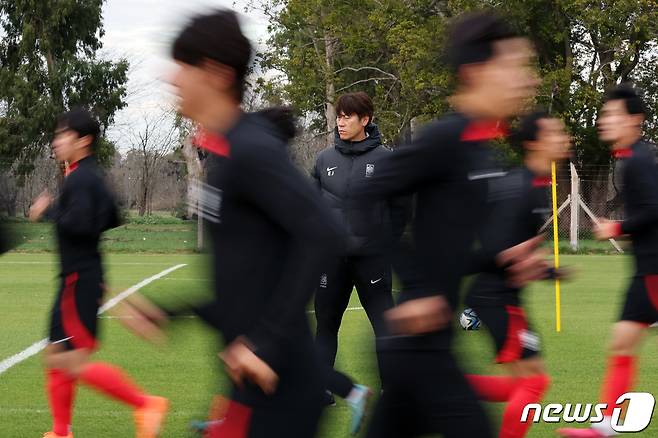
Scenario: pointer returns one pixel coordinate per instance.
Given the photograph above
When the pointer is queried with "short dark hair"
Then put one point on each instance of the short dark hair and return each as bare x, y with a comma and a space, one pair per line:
81, 121
358, 103
217, 37
471, 38
630, 96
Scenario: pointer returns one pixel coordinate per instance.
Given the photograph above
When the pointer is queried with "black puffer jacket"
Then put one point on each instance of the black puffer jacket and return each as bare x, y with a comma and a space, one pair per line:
369, 225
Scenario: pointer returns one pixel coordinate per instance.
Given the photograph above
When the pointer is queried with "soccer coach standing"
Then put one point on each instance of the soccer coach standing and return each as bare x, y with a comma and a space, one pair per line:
369, 225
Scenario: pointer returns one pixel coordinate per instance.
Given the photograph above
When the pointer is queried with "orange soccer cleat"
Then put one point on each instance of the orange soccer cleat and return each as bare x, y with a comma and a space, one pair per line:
150, 417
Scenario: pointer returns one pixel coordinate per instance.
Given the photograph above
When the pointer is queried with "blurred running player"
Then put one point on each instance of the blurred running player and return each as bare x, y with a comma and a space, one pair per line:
449, 168
270, 232
520, 205
620, 125
84, 210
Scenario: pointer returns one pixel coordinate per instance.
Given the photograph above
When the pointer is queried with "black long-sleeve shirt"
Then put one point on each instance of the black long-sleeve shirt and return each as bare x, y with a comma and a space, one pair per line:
270, 233
449, 169
519, 205
83, 211
640, 198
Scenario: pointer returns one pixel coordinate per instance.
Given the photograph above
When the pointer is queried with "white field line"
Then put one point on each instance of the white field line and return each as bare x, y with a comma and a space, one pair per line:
40, 345
54, 262
349, 309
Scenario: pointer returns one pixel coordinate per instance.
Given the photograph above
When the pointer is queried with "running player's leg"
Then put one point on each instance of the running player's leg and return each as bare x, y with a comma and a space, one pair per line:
447, 403
640, 310
61, 381
426, 393
394, 413
518, 348
73, 340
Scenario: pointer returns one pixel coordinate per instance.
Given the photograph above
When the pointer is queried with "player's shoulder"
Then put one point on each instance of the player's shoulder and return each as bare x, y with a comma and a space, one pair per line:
644, 157
450, 125
441, 138
644, 150
255, 137
86, 172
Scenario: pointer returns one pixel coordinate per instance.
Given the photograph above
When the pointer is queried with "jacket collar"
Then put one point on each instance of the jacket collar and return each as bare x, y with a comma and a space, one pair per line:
372, 140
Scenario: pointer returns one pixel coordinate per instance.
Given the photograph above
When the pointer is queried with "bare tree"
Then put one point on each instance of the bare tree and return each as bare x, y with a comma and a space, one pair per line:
157, 137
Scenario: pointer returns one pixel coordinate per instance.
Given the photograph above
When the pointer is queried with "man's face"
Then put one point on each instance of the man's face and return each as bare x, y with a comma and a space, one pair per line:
64, 144
508, 81
351, 127
194, 89
552, 142
615, 123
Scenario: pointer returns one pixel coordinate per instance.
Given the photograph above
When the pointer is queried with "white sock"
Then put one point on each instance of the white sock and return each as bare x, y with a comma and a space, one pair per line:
354, 395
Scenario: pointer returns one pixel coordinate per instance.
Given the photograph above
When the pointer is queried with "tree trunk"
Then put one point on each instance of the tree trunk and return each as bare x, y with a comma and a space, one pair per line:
143, 198
330, 87
194, 175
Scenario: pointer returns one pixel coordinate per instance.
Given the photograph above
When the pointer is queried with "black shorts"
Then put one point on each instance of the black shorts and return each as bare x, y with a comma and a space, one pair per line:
642, 300
73, 319
509, 328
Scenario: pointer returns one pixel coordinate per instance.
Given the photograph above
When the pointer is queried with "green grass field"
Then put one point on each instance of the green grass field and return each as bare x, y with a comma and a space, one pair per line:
135, 236
186, 371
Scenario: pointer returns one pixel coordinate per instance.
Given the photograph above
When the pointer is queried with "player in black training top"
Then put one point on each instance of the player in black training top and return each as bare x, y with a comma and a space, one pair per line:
270, 232
449, 169
84, 210
520, 205
620, 125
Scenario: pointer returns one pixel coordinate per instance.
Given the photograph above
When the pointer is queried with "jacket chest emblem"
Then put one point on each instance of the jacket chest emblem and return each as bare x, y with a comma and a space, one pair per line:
370, 170
331, 171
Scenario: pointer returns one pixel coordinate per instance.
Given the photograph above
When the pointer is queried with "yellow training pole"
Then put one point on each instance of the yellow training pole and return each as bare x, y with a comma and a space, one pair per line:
555, 249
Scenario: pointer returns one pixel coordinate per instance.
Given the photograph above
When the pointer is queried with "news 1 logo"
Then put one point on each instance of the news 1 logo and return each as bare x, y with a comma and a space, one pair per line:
632, 412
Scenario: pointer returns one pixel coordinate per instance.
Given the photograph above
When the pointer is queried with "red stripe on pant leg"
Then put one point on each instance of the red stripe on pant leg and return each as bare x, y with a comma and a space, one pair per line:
73, 326
651, 283
235, 424
516, 324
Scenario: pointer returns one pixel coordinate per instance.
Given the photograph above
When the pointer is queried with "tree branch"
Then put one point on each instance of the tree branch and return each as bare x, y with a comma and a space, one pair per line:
362, 81
358, 69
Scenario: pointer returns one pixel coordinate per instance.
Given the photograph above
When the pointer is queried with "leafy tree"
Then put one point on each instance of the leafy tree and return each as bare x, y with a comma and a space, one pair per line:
49, 63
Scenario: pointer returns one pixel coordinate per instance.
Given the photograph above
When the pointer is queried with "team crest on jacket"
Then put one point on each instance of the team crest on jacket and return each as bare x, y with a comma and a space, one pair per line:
323, 281
370, 170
